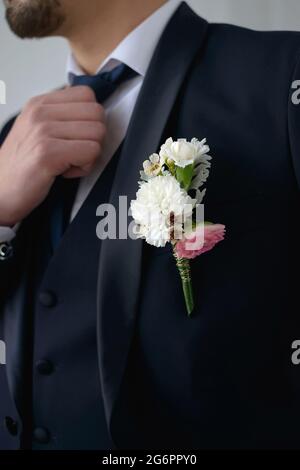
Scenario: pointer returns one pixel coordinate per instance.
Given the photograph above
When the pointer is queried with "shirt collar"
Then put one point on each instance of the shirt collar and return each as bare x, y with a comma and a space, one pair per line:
136, 49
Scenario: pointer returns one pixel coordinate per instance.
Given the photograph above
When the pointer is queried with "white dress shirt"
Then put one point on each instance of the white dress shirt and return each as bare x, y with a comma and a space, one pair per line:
136, 51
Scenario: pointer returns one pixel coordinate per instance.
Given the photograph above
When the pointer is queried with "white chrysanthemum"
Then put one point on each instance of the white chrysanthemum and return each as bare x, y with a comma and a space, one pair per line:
182, 152
152, 167
160, 206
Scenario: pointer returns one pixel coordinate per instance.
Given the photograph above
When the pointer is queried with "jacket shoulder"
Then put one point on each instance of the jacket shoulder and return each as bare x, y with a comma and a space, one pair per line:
256, 60
280, 46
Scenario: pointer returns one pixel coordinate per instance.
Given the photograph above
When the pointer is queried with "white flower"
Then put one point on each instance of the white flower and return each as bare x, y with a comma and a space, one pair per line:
202, 166
152, 167
201, 174
182, 152
161, 206
200, 195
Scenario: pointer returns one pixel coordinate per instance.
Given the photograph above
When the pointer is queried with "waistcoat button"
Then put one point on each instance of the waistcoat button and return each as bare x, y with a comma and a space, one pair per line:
11, 426
47, 299
45, 367
41, 435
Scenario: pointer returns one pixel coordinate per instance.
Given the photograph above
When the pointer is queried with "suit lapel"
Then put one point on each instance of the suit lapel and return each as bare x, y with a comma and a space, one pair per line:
120, 264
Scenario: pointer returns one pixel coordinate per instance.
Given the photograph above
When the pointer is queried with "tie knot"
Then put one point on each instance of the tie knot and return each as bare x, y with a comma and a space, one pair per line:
105, 84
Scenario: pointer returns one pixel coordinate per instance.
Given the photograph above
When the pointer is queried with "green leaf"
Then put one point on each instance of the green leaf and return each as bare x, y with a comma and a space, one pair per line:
184, 176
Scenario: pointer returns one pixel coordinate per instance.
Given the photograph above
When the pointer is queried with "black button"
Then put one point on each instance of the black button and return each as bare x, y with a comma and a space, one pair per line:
41, 435
44, 367
11, 426
48, 299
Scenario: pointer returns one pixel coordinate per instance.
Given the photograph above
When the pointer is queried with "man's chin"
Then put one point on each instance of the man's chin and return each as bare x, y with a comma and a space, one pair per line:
34, 18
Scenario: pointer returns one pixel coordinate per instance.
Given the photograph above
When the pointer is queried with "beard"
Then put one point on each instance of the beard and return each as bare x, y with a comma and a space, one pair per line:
34, 18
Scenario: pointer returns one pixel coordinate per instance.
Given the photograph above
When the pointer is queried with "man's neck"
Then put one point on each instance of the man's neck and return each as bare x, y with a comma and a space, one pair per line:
101, 30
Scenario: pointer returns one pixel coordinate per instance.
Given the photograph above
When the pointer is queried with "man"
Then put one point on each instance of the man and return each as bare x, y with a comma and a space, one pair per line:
99, 351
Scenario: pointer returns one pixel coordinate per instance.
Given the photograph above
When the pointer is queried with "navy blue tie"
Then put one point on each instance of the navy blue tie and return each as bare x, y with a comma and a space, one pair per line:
104, 85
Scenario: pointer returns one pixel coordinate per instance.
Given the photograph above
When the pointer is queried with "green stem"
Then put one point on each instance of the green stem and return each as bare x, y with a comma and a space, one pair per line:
184, 269
188, 296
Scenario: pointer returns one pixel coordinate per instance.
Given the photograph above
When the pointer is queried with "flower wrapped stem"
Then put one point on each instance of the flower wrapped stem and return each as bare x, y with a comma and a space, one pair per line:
184, 269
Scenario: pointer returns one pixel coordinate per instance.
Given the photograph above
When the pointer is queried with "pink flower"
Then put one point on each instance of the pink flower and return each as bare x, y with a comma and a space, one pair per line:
193, 245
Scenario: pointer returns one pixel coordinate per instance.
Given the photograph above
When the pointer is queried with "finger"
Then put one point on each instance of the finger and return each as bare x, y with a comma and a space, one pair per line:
66, 95
88, 111
76, 172
62, 155
81, 130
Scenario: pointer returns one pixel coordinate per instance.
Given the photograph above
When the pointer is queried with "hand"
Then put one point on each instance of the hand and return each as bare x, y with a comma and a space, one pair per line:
59, 133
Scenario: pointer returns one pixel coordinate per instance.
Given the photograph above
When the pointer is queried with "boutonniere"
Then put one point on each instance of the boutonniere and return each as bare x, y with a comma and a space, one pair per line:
165, 208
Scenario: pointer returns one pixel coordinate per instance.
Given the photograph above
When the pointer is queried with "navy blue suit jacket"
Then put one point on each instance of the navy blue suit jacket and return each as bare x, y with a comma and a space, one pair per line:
224, 378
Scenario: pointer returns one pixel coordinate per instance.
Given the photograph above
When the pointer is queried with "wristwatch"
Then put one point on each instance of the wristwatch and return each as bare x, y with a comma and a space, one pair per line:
6, 251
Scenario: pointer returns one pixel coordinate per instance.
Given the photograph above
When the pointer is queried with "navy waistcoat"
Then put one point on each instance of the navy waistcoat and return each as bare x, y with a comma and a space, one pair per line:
67, 405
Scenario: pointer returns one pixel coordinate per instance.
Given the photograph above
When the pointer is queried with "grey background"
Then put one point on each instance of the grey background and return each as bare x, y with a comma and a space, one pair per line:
32, 67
